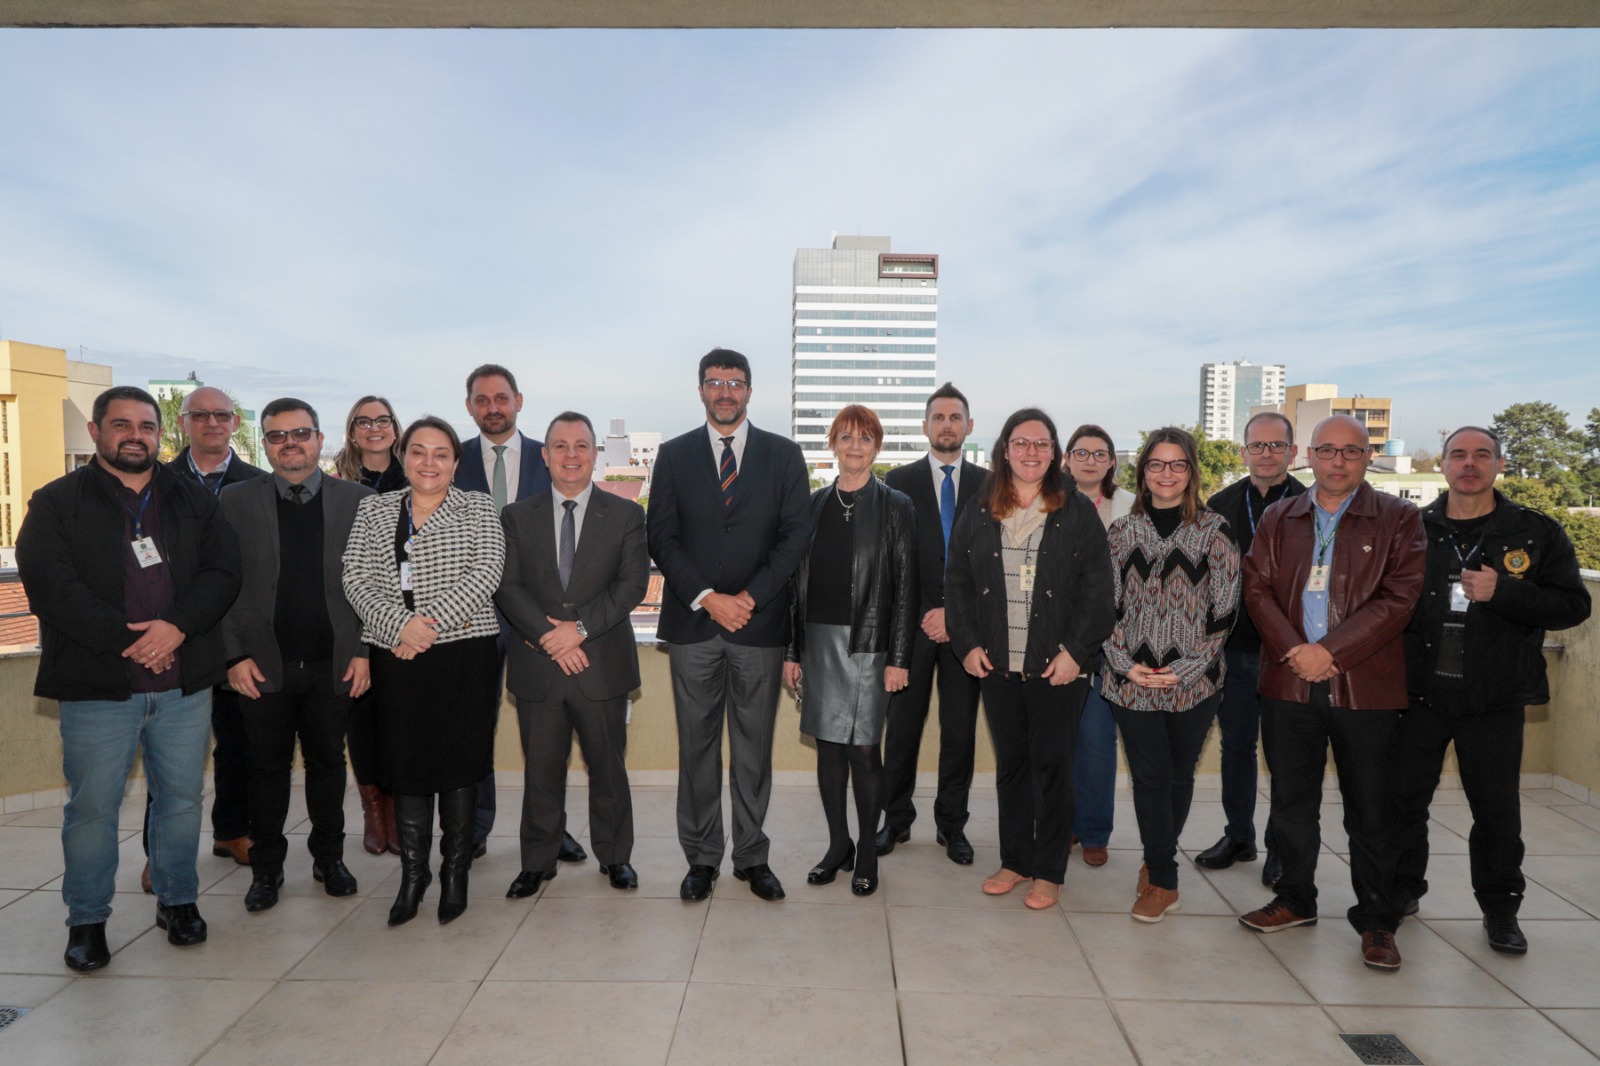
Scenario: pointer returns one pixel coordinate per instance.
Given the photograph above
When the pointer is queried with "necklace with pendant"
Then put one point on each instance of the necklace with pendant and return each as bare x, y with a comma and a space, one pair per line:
848, 507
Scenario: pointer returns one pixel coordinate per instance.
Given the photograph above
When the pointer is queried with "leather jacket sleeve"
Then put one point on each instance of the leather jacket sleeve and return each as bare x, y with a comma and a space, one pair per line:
901, 543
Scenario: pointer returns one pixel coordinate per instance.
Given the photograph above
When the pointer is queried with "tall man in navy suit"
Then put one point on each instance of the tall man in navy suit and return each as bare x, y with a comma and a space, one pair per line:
509, 467
727, 526
939, 484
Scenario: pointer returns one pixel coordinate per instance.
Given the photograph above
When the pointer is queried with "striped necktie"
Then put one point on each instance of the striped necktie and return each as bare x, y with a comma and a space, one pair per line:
727, 471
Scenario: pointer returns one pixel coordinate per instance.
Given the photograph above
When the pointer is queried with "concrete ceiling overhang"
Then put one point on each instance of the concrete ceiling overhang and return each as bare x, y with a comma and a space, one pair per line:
849, 14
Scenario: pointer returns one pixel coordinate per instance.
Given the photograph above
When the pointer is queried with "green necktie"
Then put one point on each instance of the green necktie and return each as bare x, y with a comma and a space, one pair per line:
499, 487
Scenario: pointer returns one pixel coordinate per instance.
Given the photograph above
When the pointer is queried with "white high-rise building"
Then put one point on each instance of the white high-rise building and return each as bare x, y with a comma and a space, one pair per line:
1229, 390
865, 326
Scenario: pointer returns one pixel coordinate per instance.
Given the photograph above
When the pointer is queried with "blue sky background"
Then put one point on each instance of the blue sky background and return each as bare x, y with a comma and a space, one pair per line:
1410, 214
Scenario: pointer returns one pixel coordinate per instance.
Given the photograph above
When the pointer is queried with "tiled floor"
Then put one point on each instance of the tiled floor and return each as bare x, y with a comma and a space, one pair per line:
927, 971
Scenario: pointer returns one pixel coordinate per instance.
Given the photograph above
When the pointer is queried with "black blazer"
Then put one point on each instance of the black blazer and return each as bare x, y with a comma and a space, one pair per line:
238, 470
610, 573
916, 480
533, 477
753, 546
248, 629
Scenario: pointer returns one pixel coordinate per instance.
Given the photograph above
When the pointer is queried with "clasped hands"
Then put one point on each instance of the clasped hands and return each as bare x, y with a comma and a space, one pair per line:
563, 644
155, 649
1311, 662
416, 636
731, 611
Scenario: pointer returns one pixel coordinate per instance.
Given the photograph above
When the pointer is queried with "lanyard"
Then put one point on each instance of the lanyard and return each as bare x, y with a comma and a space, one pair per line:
1324, 544
411, 527
138, 516
1455, 547
219, 473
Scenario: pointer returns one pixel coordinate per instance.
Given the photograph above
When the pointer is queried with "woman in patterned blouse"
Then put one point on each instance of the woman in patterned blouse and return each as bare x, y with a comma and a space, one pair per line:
1176, 573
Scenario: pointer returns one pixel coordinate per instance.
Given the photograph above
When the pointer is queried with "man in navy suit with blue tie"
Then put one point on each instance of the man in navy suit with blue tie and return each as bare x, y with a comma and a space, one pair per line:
727, 524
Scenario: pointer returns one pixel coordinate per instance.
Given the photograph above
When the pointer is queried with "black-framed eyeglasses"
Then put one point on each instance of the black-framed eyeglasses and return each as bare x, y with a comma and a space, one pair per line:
380, 422
1083, 455
1353, 453
279, 436
1177, 466
1276, 447
209, 416
731, 384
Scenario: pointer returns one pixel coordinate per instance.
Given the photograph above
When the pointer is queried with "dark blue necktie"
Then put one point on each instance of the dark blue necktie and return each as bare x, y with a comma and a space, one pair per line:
947, 504
727, 471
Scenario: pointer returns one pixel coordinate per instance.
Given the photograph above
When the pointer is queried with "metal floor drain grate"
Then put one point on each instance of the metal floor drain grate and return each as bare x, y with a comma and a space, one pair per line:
1380, 1048
11, 1014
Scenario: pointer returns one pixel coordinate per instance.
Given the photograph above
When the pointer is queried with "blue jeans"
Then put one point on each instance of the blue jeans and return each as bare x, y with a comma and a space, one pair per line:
1095, 770
1239, 723
98, 742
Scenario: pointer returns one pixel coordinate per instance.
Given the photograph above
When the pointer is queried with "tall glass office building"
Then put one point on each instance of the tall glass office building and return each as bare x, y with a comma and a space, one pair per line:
866, 323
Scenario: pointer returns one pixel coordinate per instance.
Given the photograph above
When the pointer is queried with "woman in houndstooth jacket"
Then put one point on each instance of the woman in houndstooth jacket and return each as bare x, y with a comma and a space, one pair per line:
421, 570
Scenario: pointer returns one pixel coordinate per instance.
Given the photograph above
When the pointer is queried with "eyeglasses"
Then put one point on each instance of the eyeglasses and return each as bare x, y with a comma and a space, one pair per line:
731, 384
1083, 455
381, 422
209, 416
1177, 466
278, 436
1274, 446
1022, 444
1353, 453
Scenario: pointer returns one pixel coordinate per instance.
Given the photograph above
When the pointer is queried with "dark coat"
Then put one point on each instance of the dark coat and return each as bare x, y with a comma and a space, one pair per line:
610, 572
755, 545
1539, 588
72, 556
883, 572
1231, 504
533, 477
916, 480
1074, 603
238, 470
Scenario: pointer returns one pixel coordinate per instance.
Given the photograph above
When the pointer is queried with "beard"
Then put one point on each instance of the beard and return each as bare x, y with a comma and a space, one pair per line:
730, 419
129, 463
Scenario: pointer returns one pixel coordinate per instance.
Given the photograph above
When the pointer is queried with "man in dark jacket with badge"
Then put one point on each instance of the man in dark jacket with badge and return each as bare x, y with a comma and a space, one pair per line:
130, 568
1498, 576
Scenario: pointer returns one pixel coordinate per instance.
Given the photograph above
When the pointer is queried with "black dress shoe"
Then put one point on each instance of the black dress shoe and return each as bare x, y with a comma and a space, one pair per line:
955, 845
1505, 935
182, 922
621, 875
824, 872
527, 883
1410, 906
697, 883
890, 835
480, 849
86, 947
1272, 869
763, 882
571, 850
1224, 853
334, 877
864, 886
262, 895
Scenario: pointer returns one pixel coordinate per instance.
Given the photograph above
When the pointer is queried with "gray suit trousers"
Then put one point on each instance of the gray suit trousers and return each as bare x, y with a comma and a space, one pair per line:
706, 678
547, 728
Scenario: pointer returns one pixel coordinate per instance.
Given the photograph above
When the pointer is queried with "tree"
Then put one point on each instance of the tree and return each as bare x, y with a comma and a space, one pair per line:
1538, 441
1424, 462
1584, 529
1533, 494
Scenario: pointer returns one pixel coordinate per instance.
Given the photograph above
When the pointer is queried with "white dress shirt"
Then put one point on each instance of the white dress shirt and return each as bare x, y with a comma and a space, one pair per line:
513, 458
938, 475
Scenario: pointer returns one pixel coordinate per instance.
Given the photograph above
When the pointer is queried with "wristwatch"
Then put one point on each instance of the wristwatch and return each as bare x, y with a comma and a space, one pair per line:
582, 632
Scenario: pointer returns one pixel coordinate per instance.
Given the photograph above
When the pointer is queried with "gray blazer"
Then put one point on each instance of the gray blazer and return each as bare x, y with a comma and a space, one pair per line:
610, 573
251, 508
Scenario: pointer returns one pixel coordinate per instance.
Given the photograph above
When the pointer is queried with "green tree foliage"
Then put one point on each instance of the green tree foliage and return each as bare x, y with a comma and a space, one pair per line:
1538, 441
1219, 462
1584, 529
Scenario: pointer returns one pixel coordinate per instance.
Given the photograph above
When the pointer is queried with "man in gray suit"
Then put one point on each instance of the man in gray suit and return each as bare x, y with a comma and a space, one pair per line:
293, 645
576, 567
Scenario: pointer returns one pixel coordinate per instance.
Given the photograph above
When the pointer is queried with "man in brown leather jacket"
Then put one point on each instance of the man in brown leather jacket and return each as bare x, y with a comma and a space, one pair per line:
1330, 582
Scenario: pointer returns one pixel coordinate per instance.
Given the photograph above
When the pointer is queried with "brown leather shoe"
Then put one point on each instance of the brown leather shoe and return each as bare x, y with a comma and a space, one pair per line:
1154, 903
1095, 856
374, 833
1273, 918
144, 881
237, 849
388, 823
1378, 951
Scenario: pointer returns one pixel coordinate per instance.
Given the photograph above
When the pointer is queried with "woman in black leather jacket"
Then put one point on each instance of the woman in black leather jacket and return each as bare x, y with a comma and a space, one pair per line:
855, 615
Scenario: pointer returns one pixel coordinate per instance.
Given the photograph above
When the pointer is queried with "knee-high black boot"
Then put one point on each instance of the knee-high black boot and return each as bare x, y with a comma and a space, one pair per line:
456, 811
413, 819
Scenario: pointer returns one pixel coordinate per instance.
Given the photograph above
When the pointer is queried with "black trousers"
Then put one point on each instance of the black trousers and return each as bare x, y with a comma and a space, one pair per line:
1034, 726
1163, 749
547, 726
958, 736
1297, 737
1489, 755
308, 707
363, 738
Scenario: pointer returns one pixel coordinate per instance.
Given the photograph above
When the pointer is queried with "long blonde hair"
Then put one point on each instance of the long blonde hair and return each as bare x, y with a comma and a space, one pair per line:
347, 464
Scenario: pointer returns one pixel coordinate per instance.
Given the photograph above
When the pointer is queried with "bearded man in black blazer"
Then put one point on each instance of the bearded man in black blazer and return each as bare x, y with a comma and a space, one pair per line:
728, 525
939, 484
576, 567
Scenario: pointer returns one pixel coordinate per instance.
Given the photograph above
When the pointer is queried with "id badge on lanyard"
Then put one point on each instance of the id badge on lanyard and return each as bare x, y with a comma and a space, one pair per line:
145, 550
1318, 581
1458, 598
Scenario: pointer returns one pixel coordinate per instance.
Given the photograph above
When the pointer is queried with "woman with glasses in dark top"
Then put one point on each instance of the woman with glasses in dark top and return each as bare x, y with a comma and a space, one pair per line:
1091, 463
1177, 587
855, 618
1028, 601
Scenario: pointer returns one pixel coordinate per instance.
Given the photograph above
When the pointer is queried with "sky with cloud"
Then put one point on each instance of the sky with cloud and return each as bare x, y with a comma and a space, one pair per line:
325, 214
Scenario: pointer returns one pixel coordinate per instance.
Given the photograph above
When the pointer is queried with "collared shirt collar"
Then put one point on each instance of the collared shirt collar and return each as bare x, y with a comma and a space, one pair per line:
313, 485
740, 435
582, 498
222, 467
513, 445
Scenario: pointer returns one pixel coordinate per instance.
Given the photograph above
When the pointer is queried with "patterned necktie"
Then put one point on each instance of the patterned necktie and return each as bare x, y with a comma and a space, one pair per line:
727, 471
569, 542
499, 486
947, 504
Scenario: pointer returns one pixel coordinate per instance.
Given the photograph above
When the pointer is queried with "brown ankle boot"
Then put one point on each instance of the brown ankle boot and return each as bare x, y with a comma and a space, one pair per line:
374, 830
388, 822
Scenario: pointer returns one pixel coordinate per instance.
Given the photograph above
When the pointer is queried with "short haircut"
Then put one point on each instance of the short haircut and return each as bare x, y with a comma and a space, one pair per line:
727, 359
859, 418
489, 370
286, 404
571, 416
1491, 434
1000, 495
1108, 484
1288, 426
431, 422
1191, 492
122, 392
947, 391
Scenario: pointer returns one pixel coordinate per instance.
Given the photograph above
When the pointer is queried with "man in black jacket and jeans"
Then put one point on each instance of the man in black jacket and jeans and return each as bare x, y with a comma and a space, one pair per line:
1498, 576
129, 568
